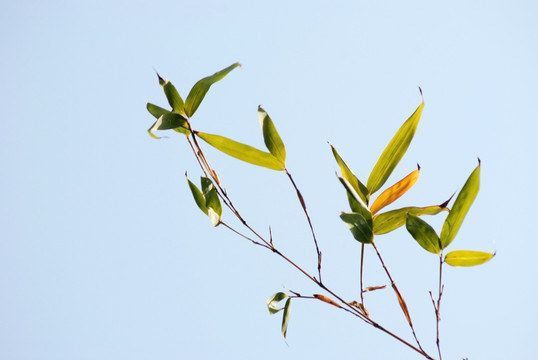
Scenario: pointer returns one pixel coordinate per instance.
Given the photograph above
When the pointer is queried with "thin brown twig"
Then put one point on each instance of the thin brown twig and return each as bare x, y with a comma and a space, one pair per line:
401, 300
438, 307
361, 275
303, 205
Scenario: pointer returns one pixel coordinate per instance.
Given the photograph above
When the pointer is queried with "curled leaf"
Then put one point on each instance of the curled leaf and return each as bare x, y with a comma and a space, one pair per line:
273, 300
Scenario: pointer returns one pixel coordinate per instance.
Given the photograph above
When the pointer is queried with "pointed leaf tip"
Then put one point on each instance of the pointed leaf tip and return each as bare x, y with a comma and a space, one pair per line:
461, 206
394, 192
394, 151
272, 139
200, 89
466, 258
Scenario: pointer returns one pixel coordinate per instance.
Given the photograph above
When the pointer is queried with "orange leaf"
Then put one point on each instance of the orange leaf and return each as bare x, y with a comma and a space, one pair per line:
327, 300
394, 192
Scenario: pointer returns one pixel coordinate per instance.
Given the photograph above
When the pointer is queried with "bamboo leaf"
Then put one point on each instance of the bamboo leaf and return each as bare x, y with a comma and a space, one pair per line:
358, 226
273, 301
200, 89
392, 220
394, 192
156, 111
394, 152
347, 174
286, 317
270, 136
242, 152
467, 258
461, 207
403, 305
327, 300
169, 121
356, 203
424, 234
172, 95
198, 196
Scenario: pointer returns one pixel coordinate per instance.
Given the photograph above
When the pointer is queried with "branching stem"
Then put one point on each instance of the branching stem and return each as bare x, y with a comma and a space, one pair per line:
346, 306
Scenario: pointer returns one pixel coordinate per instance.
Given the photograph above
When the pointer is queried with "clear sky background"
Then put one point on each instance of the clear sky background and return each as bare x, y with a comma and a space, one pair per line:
103, 253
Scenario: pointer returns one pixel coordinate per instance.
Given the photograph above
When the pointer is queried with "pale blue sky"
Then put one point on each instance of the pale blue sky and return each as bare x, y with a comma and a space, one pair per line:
103, 253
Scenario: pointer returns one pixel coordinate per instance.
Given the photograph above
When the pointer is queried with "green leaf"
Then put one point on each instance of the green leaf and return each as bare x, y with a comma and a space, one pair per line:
156, 111
212, 201
424, 234
392, 220
461, 206
358, 226
286, 317
169, 121
198, 196
242, 152
173, 97
467, 258
394, 152
394, 192
270, 136
347, 174
198, 91
273, 301
355, 201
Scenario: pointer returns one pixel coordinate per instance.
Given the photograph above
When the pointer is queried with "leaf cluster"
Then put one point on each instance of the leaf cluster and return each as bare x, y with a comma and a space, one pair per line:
365, 218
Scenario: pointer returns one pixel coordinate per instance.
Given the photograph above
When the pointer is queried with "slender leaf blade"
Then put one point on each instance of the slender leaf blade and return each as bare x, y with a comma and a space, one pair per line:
394, 152
359, 227
272, 140
156, 111
242, 152
198, 196
347, 174
394, 192
172, 95
424, 234
460, 208
273, 300
356, 203
169, 121
286, 317
467, 258
200, 89
392, 220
